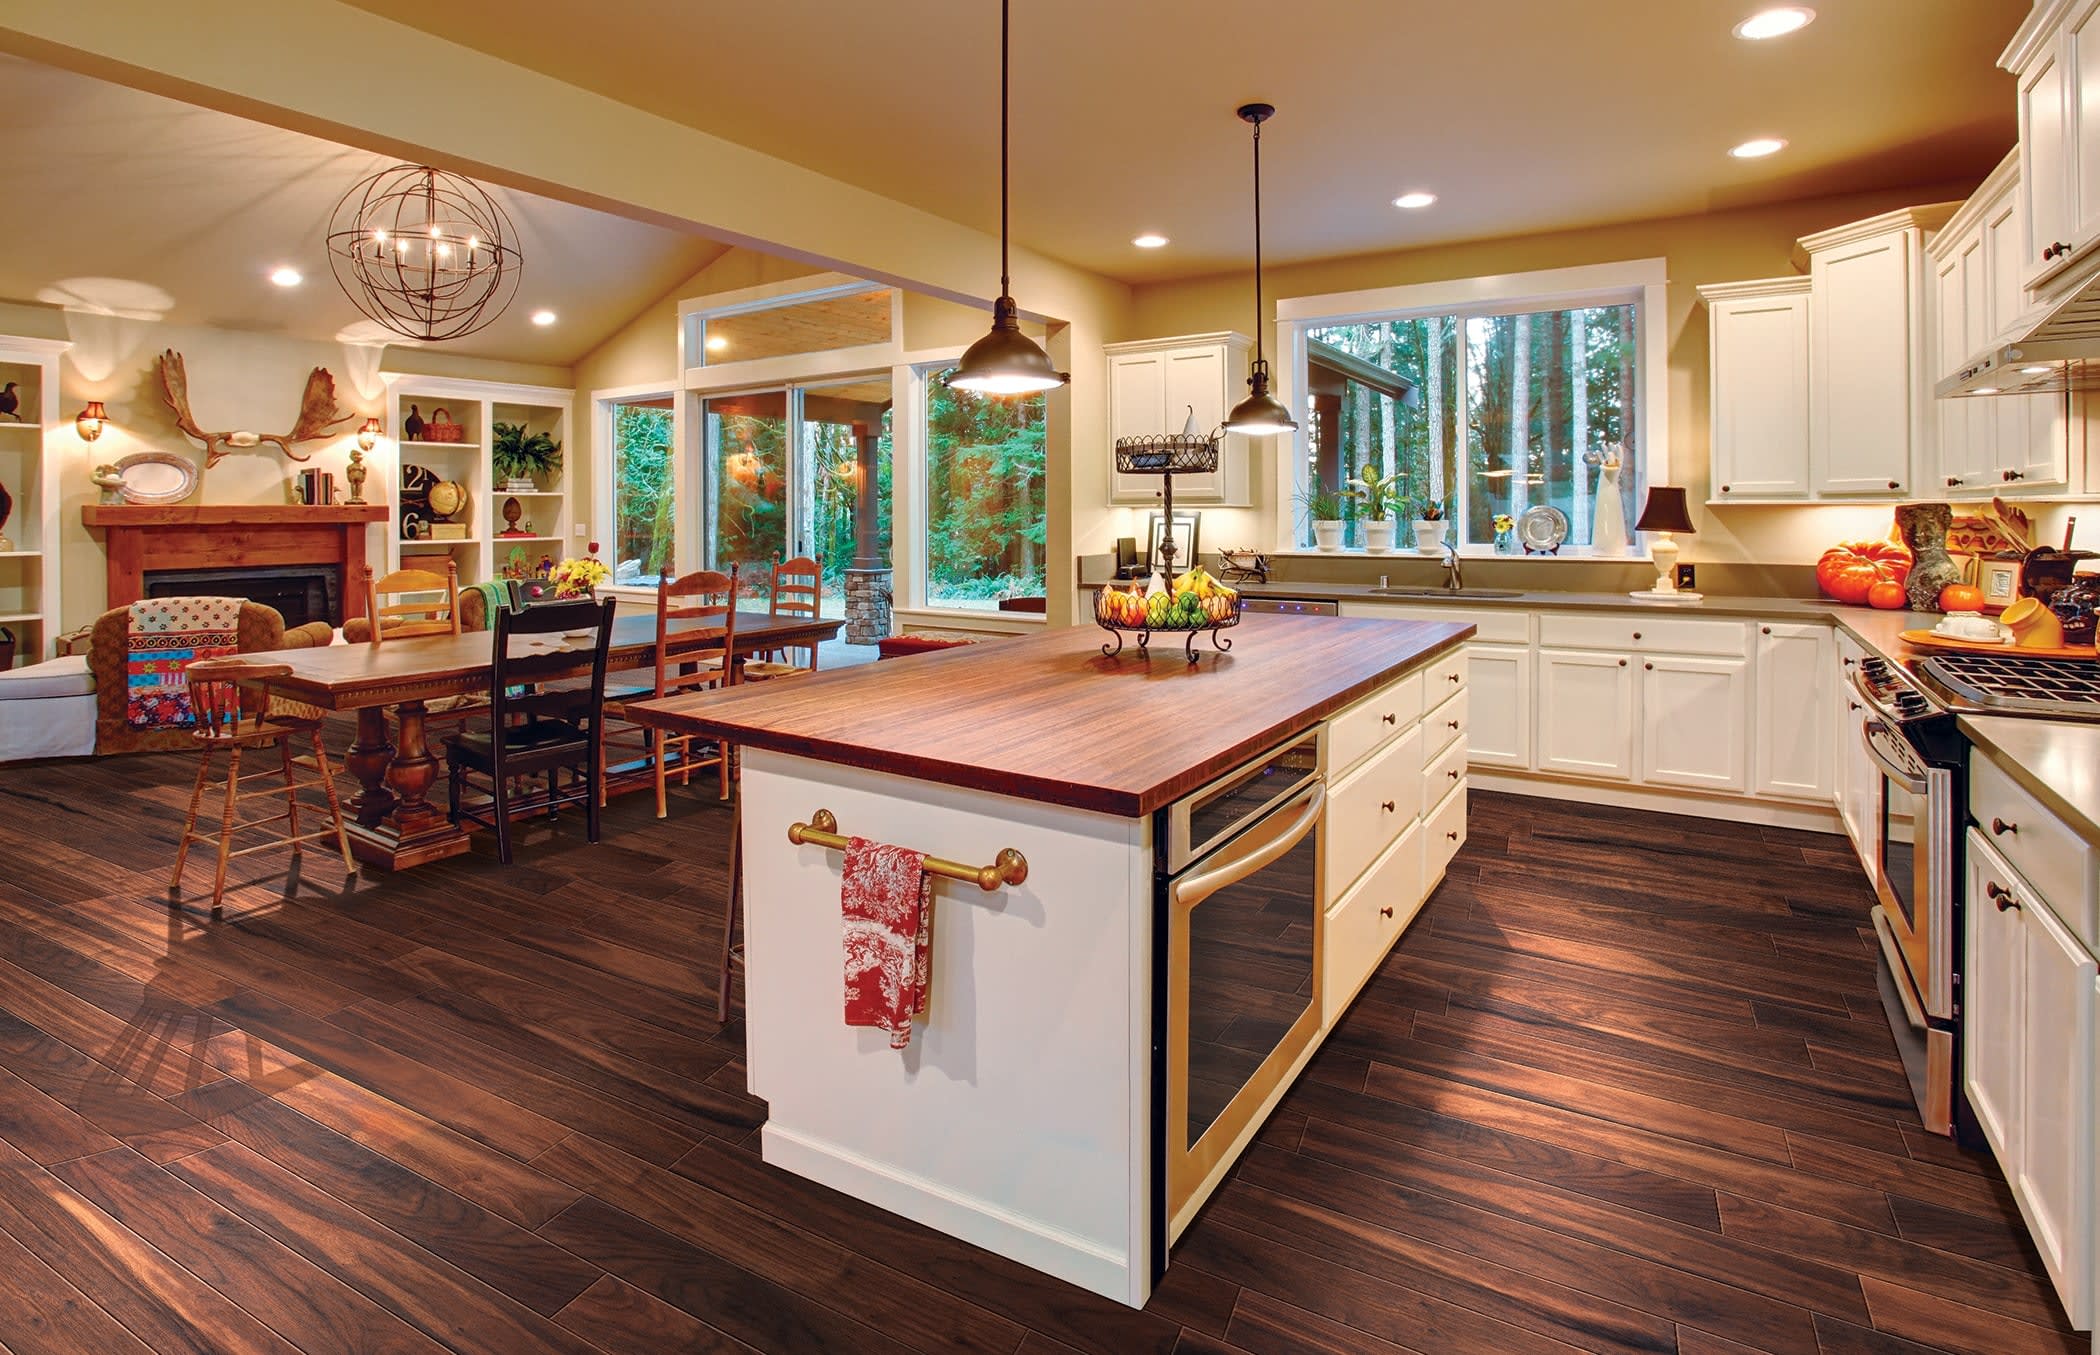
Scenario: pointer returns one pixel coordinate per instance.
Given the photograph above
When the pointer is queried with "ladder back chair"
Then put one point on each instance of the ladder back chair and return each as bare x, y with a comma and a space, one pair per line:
703, 596
415, 611
233, 713
538, 724
798, 591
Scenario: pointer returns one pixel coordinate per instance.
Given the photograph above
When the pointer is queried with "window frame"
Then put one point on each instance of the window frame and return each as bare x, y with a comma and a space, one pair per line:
1640, 282
605, 468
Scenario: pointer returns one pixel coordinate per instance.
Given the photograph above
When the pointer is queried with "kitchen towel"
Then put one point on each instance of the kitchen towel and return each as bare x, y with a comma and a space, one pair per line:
887, 902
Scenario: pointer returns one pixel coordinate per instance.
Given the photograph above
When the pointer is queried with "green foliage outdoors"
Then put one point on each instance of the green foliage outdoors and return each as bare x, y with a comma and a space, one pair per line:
985, 491
643, 513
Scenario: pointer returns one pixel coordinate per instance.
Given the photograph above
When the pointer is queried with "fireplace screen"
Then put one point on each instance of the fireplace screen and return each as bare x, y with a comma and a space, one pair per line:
300, 593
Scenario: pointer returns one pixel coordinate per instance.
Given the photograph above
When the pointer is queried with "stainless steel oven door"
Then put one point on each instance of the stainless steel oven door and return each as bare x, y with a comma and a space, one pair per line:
1913, 863
1200, 821
1243, 992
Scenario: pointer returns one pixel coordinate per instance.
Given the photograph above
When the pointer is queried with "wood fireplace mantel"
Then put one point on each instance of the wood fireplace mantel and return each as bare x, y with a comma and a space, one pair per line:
141, 537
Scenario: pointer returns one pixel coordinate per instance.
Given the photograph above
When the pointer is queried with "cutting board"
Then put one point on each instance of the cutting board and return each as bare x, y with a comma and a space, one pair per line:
1925, 639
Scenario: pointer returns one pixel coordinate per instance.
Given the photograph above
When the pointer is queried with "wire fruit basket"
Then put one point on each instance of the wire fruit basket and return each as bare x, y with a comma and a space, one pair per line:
1181, 613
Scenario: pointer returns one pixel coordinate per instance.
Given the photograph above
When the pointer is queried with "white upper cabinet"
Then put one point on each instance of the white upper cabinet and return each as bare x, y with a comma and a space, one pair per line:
2055, 61
1153, 385
1867, 386
2045, 165
1758, 385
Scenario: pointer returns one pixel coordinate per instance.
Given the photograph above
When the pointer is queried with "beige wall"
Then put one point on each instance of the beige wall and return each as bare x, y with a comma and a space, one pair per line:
1718, 247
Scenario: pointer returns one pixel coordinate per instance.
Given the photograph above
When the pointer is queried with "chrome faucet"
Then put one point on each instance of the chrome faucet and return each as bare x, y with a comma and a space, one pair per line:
1454, 574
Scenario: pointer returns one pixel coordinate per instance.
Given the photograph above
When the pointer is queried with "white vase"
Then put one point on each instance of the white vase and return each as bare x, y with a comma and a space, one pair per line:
1378, 535
1327, 535
1608, 526
1429, 536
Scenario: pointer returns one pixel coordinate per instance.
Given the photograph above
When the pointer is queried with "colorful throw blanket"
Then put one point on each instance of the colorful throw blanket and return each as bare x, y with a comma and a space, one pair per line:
163, 637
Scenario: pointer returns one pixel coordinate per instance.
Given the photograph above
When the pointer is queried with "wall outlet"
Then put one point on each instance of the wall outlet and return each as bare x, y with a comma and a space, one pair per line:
582, 531
1688, 576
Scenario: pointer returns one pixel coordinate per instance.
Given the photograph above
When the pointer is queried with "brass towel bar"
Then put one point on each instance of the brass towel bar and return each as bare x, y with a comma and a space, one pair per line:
1009, 868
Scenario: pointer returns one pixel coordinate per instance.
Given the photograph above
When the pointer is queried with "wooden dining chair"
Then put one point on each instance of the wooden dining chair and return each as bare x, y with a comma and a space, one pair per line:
798, 591
234, 714
426, 603
705, 595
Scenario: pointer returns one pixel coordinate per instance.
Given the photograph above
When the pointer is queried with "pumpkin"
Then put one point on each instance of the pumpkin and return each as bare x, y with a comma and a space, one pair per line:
1888, 595
1847, 571
1961, 597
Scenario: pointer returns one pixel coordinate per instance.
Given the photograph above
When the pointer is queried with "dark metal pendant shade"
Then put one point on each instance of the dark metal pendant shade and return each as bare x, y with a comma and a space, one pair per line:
1005, 362
1261, 413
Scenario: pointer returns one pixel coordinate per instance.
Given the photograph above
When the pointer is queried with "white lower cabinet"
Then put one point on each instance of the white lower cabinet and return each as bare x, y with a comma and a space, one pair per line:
1693, 716
1369, 919
1791, 742
1499, 678
1585, 713
1858, 785
1991, 989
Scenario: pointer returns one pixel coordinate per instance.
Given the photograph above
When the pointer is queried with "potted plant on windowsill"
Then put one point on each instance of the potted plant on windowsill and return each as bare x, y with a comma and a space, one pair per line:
1378, 493
1324, 507
1429, 527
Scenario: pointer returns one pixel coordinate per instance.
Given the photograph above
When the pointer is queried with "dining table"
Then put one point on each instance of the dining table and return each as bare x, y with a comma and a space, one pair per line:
394, 822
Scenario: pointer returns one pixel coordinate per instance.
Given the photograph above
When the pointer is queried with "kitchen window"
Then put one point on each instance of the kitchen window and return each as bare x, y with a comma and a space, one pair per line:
986, 506
1487, 396
642, 484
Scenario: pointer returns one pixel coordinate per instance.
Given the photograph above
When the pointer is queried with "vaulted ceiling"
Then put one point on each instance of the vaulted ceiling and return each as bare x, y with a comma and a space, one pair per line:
117, 200
1523, 115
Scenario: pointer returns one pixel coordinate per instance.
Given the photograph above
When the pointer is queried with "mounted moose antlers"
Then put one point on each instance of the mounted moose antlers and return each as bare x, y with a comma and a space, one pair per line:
318, 413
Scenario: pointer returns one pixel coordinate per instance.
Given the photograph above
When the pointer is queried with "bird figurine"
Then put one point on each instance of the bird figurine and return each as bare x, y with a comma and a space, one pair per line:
412, 426
10, 402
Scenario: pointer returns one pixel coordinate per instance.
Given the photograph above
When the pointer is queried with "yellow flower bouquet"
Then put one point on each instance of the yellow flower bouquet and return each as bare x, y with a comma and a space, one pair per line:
576, 576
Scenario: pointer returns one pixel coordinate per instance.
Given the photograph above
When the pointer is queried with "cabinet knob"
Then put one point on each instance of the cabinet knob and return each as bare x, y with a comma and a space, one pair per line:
1389, 719
1895, 484
1649, 666
2000, 895
1724, 489
1452, 835
1622, 663
1453, 774
1848, 663
1768, 630
2011, 475
1954, 482
1387, 806
1853, 704
1452, 676
2001, 827
1452, 723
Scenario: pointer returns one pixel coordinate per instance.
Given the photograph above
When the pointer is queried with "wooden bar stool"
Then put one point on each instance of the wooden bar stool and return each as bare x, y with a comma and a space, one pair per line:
221, 692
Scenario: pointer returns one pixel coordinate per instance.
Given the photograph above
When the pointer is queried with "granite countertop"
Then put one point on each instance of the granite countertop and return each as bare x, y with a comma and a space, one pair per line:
1715, 604
2055, 761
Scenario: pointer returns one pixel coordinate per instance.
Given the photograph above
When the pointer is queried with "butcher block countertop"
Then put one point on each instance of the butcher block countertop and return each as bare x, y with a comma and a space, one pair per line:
1047, 717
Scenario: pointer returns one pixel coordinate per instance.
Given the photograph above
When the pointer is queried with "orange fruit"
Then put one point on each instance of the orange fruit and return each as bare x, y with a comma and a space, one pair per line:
1888, 595
1961, 597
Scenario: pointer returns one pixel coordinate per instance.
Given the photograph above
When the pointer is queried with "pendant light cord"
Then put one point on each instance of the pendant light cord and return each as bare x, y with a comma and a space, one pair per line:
1257, 243
1005, 79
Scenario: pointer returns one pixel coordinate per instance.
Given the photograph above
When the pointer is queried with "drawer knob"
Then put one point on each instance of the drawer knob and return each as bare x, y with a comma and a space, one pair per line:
1452, 723
1453, 774
2000, 895
1452, 676
2001, 828
1390, 719
1895, 484
1387, 806
1452, 835
1636, 635
1385, 912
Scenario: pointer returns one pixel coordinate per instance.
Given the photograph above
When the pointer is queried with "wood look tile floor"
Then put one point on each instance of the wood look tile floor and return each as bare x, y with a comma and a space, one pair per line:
1624, 1086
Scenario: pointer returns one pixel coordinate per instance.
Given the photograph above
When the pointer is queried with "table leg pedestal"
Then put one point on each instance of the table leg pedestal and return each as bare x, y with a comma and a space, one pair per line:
409, 830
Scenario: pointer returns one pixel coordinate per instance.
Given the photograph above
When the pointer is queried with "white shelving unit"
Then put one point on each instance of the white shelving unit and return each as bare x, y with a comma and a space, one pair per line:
478, 406
29, 583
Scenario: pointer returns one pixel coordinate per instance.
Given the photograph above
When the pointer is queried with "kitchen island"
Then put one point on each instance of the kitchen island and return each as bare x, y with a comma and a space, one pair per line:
1026, 1114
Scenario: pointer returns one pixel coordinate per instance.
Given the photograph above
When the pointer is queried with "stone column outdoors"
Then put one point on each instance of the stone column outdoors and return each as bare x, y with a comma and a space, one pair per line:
869, 578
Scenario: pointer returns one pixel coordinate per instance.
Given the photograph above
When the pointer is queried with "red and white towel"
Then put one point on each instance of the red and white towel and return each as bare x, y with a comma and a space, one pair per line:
888, 906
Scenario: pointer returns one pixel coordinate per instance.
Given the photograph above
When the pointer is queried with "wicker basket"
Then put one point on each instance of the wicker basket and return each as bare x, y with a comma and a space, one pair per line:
442, 429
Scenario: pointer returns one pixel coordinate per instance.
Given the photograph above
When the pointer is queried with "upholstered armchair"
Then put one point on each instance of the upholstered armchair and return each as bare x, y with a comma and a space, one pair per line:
260, 628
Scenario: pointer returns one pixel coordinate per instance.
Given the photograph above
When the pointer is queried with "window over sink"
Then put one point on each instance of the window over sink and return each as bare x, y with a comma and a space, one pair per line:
1484, 396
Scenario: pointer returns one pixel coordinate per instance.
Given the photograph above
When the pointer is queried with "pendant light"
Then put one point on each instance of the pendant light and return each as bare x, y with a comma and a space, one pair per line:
1261, 413
1005, 362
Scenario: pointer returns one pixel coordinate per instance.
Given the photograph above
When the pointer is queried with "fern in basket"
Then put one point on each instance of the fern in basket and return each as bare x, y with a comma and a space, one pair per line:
516, 454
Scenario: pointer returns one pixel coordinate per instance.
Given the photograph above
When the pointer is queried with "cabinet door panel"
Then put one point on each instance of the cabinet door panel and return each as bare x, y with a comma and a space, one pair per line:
1760, 397
1137, 404
1694, 722
2055, 1178
2081, 57
1991, 1002
1499, 679
1861, 387
1585, 713
2045, 171
1195, 379
1793, 710
1963, 427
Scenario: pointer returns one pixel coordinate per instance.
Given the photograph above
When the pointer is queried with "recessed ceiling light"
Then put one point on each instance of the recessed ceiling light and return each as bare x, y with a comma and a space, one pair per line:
1414, 201
1150, 240
1775, 23
543, 318
1759, 147
286, 277
716, 343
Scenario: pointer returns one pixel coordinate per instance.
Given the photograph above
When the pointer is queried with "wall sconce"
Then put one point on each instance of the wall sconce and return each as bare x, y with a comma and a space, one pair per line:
368, 436
89, 421
356, 471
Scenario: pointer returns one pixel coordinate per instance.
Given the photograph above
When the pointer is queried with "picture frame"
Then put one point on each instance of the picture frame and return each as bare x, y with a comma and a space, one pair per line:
1999, 579
1186, 526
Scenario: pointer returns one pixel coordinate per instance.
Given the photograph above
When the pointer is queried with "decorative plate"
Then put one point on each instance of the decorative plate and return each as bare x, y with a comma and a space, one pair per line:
1542, 528
157, 477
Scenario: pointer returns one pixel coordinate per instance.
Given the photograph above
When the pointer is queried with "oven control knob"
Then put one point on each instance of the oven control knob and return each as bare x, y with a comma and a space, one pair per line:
1876, 666
1910, 703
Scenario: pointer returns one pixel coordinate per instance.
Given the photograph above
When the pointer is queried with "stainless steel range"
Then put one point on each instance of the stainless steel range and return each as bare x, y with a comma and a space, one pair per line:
2015, 684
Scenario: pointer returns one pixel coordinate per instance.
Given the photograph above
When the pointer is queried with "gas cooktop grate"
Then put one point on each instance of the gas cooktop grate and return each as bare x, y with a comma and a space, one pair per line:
2018, 684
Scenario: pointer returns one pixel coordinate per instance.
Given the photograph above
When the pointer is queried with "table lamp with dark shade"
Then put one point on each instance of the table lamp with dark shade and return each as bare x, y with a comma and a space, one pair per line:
1664, 513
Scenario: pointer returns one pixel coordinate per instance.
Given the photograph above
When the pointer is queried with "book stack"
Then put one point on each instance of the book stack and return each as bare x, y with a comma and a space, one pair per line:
316, 488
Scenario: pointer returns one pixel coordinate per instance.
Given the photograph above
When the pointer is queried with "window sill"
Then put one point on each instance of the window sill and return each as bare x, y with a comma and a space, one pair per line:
970, 619
1466, 553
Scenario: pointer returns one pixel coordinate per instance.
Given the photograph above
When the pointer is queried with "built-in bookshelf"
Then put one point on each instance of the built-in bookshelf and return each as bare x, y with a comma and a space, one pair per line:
477, 535
30, 437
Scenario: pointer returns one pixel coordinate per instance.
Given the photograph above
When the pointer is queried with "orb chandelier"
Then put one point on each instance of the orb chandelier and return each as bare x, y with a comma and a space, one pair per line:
425, 254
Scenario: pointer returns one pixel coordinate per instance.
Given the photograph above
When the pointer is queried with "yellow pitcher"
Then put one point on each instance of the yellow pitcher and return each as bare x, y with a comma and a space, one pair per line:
2033, 625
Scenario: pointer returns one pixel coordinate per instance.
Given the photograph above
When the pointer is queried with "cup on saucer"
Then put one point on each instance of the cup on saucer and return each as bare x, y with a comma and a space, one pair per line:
1974, 626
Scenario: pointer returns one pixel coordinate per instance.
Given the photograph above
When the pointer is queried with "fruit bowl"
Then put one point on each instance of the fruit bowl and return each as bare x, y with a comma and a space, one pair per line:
1203, 605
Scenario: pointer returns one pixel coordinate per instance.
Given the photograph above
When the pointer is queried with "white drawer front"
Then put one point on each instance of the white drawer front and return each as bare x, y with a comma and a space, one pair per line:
1445, 725
1643, 634
1371, 721
1443, 833
1442, 773
1494, 625
1369, 808
1360, 929
2037, 844
1445, 675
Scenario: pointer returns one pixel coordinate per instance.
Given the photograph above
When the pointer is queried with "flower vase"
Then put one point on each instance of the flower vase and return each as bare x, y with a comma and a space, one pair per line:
1608, 525
1327, 534
1378, 535
1429, 535
1505, 543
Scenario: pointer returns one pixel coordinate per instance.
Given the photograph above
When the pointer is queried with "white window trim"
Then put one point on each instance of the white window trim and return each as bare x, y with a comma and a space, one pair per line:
1493, 294
910, 512
603, 492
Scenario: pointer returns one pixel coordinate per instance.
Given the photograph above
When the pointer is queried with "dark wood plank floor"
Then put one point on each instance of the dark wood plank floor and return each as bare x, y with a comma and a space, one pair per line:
1624, 1086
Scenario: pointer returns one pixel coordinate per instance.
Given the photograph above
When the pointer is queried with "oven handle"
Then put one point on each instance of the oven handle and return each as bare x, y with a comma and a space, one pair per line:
1901, 776
1194, 889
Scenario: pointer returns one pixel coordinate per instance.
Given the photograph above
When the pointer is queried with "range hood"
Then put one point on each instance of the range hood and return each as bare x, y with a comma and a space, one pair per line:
2061, 353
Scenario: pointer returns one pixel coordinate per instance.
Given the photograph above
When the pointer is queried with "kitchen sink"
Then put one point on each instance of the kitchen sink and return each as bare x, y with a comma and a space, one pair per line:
1455, 594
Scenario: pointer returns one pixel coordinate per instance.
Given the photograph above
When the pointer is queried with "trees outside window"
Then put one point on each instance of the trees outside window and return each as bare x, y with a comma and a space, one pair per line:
645, 509
986, 519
